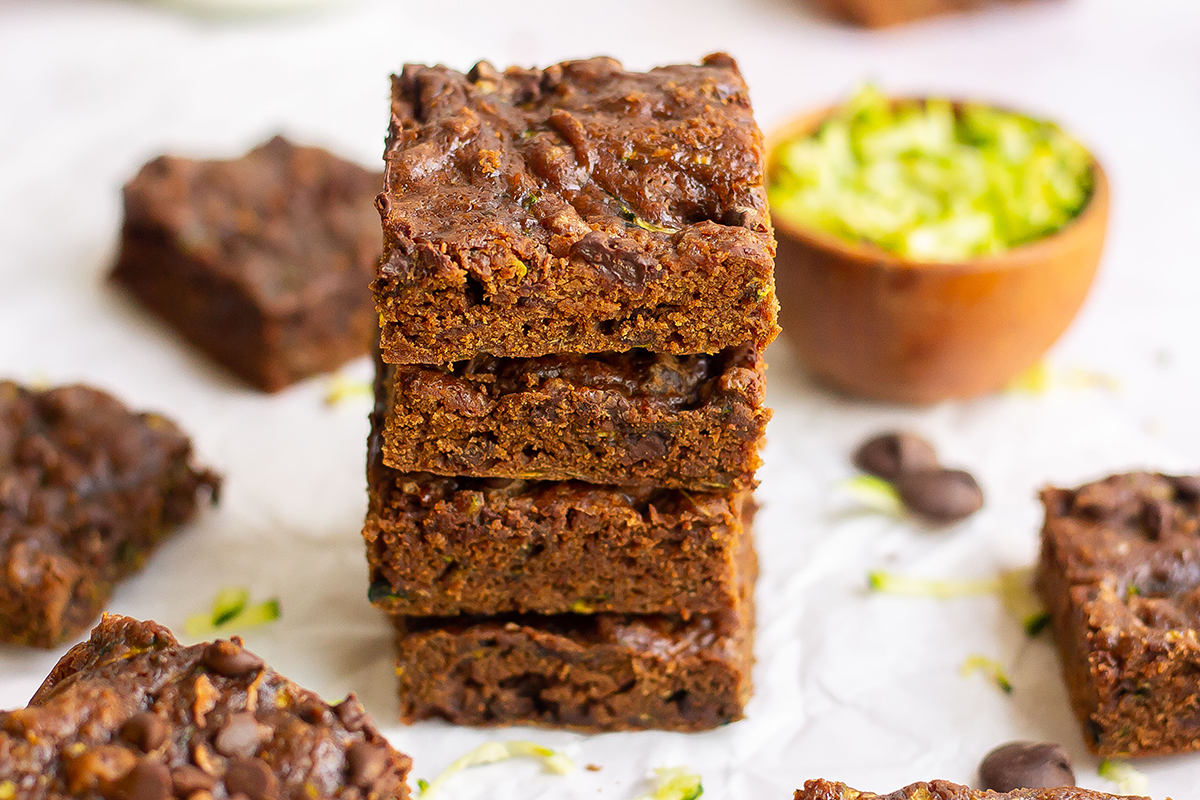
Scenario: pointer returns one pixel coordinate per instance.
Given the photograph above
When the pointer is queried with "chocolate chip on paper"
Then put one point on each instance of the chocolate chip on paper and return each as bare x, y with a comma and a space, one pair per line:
1026, 765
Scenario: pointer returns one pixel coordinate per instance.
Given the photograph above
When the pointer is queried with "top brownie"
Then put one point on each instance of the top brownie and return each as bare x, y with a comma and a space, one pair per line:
580, 208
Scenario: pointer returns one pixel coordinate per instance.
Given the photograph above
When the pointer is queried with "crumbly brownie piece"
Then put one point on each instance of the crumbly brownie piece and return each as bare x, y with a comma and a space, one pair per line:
694, 422
131, 714
88, 488
945, 790
594, 672
1120, 574
579, 209
262, 262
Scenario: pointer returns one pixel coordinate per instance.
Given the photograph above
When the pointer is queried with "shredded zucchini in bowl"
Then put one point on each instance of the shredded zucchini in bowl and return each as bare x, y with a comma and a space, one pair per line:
930, 181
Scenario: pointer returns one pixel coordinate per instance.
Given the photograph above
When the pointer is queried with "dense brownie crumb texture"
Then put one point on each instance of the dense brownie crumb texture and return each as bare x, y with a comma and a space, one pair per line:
581, 208
131, 714
691, 422
88, 488
1120, 573
574, 295
944, 790
261, 261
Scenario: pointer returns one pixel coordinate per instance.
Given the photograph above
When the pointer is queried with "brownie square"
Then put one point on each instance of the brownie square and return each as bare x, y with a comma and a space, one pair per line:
591, 672
262, 262
1120, 573
440, 546
131, 713
945, 790
88, 488
693, 422
577, 209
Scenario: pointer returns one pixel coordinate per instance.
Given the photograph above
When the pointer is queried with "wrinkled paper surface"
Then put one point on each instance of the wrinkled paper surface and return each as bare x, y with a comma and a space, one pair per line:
849, 685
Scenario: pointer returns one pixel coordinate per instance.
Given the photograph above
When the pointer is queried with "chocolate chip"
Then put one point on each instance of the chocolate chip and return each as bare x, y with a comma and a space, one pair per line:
145, 731
250, 777
1026, 765
1157, 516
1187, 487
148, 780
239, 736
618, 261
940, 495
891, 454
231, 660
365, 764
351, 713
648, 447
189, 780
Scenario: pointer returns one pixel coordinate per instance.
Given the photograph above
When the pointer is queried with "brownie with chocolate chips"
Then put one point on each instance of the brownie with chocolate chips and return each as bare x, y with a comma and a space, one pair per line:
581, 208
131, 713
1120, 573
590, 672
261, 261
88, 488
945, 790
694, 422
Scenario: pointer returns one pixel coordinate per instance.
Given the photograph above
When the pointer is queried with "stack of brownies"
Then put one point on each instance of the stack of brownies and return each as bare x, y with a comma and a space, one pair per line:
575, 291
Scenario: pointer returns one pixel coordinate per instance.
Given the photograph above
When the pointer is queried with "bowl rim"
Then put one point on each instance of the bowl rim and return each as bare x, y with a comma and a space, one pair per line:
1013, 258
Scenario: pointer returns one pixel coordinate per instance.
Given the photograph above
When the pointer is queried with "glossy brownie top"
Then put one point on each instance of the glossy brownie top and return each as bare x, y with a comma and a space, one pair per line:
581, 160
1139, 532
285, 223
133, 714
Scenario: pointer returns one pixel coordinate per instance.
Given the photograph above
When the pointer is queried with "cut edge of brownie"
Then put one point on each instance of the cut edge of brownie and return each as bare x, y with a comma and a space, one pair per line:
695, 422
132, 713
470, 548
587, 672
1119, 570
95, 514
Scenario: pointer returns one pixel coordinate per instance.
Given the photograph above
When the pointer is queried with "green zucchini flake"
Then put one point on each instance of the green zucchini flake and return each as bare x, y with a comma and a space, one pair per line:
1127, 779
490, 753
876, 494
940, 588
674, 783
931, 182
231, 609
989, 667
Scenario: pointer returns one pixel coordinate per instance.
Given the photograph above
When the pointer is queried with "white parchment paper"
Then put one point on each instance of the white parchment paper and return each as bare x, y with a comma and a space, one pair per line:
858, 687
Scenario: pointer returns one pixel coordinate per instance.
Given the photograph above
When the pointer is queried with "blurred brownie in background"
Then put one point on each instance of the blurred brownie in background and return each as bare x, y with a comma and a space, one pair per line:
882, 13
263, 262
88, 489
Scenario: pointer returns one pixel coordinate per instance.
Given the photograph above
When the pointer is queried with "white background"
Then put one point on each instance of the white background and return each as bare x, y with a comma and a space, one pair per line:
860, 688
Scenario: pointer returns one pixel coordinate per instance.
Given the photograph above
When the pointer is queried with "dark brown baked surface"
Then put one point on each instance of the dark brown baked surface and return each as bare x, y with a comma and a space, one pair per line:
132, 714
694, 422
592, 672
945, 790
262, 262
576, 209
1120, 573
88, 488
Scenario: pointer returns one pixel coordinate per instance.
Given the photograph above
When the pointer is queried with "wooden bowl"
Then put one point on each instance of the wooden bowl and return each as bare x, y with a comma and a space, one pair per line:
879, 325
